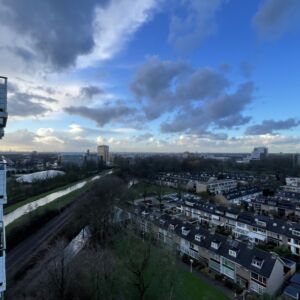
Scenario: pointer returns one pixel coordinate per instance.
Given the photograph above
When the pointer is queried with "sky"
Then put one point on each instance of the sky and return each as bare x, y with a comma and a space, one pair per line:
151, 75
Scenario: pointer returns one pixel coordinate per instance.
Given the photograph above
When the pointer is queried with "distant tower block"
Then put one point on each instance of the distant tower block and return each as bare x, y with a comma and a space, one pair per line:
103, 153
3, 104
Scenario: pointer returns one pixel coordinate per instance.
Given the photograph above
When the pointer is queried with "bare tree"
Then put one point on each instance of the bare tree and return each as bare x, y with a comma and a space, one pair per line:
137, 265
97, 208
58, 271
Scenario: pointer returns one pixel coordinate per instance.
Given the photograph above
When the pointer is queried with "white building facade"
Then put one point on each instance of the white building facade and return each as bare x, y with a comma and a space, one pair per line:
103, 153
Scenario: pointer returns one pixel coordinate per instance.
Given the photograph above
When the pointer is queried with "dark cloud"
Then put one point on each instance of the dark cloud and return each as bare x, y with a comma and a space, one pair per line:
223, 111
195, 22
276, 17
60, 31
103, 115
202, 83
25, 54
234, 121
23, 105
271, 126
156, 76
164, 86
90, 91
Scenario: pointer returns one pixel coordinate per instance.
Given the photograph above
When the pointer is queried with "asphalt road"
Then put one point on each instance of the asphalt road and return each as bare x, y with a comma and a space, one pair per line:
21, 254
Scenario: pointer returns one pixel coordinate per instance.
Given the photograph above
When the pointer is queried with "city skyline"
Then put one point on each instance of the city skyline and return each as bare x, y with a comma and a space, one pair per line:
150, 76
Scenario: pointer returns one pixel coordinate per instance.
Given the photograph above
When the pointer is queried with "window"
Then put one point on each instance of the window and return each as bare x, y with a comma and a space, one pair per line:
295, 232
257, 262
227, 263
198, 237
215, 245
233, 253
258, 278
184, 231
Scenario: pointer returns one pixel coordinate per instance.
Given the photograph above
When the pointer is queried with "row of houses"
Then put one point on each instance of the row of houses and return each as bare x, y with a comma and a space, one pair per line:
238, 196
292, 185
277, 206
251, 268
243, 225
197, 184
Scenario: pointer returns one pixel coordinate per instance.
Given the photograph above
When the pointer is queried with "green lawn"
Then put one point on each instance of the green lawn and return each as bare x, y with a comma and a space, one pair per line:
137, 190
192, 288
161, 270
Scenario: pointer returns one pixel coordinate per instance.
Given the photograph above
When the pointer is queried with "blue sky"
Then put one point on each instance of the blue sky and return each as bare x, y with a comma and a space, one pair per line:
151, 75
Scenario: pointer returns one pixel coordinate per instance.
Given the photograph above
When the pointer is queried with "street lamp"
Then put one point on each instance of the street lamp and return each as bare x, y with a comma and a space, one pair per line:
191, 261
143, 234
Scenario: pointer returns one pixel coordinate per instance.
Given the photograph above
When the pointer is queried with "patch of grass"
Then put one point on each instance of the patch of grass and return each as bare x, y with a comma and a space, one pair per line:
192, 288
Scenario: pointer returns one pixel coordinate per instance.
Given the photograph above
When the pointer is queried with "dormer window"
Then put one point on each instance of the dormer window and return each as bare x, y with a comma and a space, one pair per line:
296, 232
185, 231
215, 245
257, 262
199, 237
172, 227
233, 252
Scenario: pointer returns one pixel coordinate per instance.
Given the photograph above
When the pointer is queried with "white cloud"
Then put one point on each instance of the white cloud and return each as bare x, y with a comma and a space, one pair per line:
115, 25
100, 140
45, 131
75, 129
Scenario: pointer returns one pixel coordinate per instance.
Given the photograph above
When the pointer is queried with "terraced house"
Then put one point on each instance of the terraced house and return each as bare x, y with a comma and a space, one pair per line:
244, 225
251, 268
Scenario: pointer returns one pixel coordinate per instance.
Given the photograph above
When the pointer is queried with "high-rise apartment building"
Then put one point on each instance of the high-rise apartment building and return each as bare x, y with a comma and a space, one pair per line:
3, 104
3, 197
296, 160
103, 153
259, 153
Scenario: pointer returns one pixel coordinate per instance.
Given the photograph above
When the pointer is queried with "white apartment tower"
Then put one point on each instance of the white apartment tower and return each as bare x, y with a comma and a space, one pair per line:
3, 197
103, 153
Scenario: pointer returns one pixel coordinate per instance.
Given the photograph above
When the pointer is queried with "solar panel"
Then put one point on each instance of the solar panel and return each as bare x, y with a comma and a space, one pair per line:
295, 278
